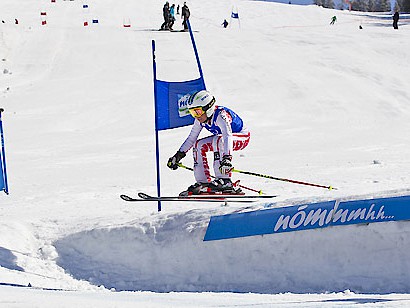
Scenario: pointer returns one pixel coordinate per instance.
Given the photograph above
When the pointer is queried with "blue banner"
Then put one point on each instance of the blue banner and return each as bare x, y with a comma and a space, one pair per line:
235, 15
308, 216
172, 102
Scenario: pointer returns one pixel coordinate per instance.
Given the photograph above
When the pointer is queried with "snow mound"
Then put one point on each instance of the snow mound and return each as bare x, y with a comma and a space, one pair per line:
168, 254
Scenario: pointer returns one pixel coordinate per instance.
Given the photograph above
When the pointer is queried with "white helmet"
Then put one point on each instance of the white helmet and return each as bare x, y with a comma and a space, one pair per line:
204, 100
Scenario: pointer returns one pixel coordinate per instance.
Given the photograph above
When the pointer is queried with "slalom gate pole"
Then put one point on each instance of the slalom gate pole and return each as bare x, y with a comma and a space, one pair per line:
154, 69
241, 186
282, 179
3, 155
195, 51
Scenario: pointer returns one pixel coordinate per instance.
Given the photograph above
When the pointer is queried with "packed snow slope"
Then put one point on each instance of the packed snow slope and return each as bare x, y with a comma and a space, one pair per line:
325, 104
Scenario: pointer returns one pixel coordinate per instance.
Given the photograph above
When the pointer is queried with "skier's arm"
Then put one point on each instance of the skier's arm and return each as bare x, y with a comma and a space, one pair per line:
192, 137
224, 123
188, 143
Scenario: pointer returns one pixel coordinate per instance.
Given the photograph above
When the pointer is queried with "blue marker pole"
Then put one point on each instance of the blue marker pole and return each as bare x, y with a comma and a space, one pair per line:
196, 53
154, 66
3, 154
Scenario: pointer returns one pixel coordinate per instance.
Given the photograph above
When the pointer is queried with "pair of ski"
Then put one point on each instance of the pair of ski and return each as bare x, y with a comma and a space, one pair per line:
216, 197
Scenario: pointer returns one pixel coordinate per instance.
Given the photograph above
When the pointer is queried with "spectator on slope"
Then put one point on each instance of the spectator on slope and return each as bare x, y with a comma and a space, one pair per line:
185, 16
396, 18
165, 13
172, 16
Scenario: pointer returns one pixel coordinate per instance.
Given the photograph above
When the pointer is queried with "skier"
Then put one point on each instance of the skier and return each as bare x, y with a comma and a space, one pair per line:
185, 15
225, 23
228, 134
334, 19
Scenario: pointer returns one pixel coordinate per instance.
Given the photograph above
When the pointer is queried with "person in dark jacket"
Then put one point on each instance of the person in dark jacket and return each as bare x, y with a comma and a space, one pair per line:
185, 15
166, 14
225, 23
396, 20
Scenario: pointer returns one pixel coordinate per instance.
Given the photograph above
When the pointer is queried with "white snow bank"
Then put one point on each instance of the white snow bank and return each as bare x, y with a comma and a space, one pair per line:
168, 254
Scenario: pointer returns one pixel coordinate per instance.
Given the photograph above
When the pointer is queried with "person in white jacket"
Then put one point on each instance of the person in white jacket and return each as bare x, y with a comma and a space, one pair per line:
229, 134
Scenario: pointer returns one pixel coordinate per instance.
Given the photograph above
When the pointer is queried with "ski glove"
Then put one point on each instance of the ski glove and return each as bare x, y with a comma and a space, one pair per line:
174, 160
226, 166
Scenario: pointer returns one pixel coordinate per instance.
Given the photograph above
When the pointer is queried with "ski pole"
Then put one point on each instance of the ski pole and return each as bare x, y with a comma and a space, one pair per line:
282, 179
236, 183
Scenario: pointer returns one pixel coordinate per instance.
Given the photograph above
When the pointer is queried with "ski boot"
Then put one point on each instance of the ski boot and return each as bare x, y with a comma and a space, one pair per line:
223, 186
195, 189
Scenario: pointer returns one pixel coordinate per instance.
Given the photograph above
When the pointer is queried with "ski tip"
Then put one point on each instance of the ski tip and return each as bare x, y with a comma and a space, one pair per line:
126, 198
144, 195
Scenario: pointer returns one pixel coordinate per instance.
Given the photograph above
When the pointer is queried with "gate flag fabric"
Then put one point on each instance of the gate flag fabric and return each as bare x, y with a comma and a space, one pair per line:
235, 15
171, 103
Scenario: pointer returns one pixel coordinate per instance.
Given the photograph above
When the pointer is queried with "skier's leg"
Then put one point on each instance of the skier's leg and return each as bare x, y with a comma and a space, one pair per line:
201, 166
218, 146
240, 141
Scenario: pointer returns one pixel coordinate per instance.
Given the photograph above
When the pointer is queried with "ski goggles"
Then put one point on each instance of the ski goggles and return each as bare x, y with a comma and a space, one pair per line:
196, 112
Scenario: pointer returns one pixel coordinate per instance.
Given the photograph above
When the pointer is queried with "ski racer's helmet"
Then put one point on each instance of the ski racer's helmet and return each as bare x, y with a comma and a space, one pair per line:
201, 102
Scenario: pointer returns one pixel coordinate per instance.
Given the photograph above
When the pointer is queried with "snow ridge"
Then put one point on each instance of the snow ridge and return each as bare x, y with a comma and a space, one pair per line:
168, 255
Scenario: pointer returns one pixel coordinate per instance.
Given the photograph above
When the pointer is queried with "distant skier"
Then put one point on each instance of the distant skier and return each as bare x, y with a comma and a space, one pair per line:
396, 18
333, 20
229, 134
185, 16
225, 23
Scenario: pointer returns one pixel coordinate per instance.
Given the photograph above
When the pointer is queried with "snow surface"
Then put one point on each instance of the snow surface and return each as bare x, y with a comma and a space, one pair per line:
325, 104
